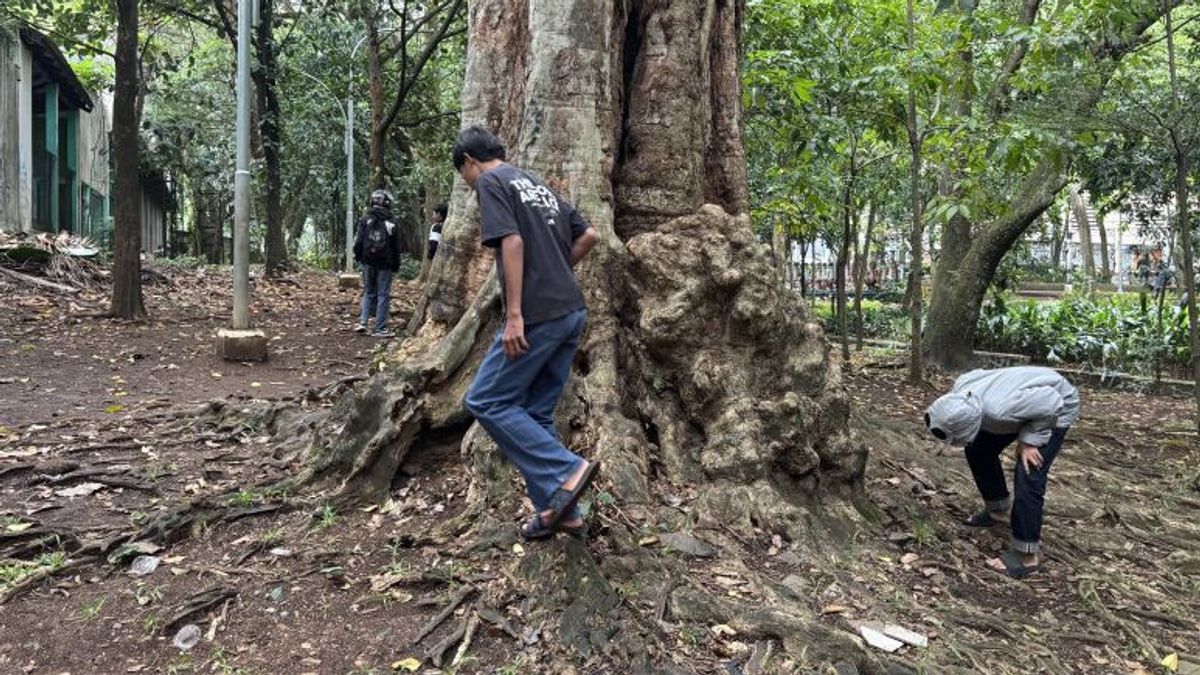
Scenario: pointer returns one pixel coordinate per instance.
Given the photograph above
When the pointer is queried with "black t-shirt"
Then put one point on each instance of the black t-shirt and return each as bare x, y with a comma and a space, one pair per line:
512, 201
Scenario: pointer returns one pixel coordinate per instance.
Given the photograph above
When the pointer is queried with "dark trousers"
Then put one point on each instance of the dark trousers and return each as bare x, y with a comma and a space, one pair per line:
1029, 488
514, 400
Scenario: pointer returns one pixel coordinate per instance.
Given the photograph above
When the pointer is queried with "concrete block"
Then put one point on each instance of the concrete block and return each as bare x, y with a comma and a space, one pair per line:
242, 345
348, 280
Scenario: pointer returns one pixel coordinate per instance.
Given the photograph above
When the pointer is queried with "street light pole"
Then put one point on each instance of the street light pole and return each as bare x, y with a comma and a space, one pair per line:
350, 160
242, 343
241, 176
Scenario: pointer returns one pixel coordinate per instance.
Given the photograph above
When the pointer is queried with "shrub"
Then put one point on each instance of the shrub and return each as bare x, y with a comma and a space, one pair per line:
1117, 332
880, 320
410, 267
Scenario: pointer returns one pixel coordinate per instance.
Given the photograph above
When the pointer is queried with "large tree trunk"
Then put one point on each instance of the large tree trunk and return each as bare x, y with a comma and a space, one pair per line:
270, 127
127, 199
697, 368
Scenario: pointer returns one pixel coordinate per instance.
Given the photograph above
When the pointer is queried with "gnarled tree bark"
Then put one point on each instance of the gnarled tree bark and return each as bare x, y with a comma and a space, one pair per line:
697, 369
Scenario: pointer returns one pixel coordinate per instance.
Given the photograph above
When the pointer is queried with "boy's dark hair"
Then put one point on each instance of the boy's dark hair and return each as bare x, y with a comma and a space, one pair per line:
441, 210
479, 143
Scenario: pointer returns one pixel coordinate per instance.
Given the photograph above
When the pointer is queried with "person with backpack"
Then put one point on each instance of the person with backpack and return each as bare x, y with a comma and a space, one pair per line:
435, 231
985, 412
377, 247
538, 238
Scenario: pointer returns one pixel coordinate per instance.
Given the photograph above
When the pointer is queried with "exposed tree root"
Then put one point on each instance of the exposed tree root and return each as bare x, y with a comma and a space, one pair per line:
199, 604
468, 636
437, 653
797, 633
455, 600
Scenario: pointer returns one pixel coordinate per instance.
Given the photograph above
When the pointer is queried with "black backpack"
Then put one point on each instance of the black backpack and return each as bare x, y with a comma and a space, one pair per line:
376, 242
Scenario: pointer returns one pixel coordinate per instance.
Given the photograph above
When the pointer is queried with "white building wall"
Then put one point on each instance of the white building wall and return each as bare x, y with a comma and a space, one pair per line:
25, 133
10, 70
92, 149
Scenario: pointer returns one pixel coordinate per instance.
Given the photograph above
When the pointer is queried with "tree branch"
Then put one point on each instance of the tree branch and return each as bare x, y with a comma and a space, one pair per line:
174, 8
407, 83
998, 96
1115, 47
428, 118
226, 22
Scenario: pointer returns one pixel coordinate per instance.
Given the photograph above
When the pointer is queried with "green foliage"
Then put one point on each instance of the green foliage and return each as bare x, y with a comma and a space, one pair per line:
410, 267
95, 73
1114, 333
325, 517
884, 321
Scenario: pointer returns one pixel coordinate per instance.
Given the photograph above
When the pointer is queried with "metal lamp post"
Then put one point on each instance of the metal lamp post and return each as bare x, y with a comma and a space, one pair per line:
242, 343
350, 160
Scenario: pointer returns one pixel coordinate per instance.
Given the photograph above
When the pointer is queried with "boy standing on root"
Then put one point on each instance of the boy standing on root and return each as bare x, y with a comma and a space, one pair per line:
985, 412
538, 239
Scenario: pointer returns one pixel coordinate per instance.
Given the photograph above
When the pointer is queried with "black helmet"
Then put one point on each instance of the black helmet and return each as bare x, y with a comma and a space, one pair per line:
381, 198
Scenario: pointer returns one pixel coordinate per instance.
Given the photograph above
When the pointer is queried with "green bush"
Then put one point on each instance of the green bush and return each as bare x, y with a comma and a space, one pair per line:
410, 267
880, 320
1107, 333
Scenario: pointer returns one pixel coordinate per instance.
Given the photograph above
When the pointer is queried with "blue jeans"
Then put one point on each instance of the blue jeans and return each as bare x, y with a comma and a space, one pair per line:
514, 400
377, 295
1028, 501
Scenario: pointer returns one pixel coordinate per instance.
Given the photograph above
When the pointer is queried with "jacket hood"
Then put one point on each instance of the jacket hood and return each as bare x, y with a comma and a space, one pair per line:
955, 418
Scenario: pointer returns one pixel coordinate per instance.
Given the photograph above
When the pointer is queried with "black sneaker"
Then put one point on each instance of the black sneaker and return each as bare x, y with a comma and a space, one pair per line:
360, 328
383, 334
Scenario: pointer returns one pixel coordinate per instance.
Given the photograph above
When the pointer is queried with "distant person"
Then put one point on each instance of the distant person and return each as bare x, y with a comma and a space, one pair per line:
985, 412
435, 230
377, 247
1142, 265
538, 238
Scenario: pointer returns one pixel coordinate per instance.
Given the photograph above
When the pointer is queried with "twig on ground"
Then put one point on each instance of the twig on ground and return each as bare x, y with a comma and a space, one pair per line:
462, 594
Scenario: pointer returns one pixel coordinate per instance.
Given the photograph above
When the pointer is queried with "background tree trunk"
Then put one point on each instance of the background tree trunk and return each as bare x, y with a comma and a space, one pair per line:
127, 200
1079, 213
377, 134
696, 369
803, 264
1105, 269
972, 251
968, 261
270, 126
916, 369
1058, 235
861, 262
1182, 150
845, 246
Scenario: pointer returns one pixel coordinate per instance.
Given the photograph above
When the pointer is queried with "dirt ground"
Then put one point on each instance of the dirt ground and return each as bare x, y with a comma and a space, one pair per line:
97, 436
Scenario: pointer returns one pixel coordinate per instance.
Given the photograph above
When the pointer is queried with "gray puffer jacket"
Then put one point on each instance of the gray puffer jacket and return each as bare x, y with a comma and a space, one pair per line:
1029, 401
